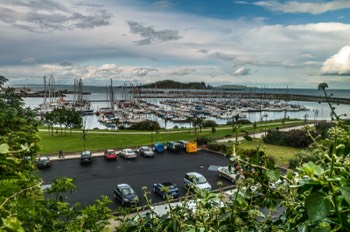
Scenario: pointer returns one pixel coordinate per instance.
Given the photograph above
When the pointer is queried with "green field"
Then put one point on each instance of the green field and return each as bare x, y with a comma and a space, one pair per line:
281, 154
99, 140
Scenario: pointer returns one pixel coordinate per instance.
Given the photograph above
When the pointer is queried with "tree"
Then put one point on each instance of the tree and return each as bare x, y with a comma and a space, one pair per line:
190, 121
197, 122
23, 205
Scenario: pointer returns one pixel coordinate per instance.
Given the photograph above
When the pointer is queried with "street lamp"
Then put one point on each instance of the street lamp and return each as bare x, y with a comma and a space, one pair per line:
264, 116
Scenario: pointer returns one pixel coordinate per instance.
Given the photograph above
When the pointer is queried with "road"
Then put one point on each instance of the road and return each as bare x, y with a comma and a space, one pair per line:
100, 177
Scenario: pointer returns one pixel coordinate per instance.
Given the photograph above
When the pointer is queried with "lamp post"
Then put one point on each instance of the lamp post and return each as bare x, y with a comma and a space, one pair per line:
264, 116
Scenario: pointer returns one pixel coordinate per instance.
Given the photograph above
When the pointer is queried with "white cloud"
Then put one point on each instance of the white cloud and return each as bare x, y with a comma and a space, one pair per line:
241, 71
338, 64
48, 16
182, 72
143, 71
304, 7
107, 67
179, 46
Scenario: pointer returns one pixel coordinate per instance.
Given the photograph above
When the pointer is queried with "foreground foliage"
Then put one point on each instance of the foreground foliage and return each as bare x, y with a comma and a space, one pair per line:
24, 206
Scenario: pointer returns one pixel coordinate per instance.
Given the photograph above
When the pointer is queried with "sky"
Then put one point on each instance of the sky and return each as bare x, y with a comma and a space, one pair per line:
263, 43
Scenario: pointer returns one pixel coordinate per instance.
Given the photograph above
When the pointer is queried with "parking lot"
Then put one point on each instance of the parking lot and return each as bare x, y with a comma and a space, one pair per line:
101, 176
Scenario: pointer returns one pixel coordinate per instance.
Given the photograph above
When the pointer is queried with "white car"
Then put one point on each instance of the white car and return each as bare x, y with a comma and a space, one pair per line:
231, 175
194, 180
128, 154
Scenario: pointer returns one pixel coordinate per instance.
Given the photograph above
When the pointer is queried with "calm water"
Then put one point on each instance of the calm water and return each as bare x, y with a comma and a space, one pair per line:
316, 110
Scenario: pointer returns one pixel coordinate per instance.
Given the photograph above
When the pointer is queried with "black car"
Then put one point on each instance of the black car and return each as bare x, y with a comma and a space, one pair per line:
43, 162
125, 194
86, 157
174, 146
166, 188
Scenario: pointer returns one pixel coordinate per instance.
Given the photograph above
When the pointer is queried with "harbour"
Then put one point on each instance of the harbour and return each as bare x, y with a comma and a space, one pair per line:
172, 109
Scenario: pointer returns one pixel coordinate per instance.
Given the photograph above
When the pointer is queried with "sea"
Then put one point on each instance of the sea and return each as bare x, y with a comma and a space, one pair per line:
316, 110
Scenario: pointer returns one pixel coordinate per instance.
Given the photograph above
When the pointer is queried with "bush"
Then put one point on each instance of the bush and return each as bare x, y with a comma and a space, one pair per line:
145, 125
293, 163
203, 141
243, 121
292, 138
215, 146
276, 137
322, 128
209, 123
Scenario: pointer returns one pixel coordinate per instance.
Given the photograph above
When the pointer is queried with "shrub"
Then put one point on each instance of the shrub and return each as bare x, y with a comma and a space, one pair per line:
293, 163
209, 123
292, 138
145, 125
215, 146
203, 141
322, 128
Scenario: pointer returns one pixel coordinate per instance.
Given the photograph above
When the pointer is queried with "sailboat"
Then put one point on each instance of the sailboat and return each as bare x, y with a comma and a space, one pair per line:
80, 103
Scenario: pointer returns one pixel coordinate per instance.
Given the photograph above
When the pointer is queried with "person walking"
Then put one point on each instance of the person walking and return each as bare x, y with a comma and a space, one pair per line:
60, 154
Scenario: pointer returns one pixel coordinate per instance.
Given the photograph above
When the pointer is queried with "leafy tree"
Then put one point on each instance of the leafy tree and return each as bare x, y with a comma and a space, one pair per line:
23, 205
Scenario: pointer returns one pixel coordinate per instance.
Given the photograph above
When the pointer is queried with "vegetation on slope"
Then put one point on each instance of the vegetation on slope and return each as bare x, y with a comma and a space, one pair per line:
170, 84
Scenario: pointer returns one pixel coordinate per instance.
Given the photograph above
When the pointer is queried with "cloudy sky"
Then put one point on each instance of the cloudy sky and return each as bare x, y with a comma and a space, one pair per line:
265, 43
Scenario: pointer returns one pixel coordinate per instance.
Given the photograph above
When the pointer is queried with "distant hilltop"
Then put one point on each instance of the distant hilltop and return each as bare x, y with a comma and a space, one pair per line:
169, 84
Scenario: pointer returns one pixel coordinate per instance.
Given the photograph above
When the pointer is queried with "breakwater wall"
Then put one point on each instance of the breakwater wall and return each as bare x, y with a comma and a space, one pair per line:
237, 95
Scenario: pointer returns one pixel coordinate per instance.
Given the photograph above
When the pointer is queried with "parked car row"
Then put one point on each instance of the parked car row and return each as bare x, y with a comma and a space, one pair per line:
192, 181
145, 151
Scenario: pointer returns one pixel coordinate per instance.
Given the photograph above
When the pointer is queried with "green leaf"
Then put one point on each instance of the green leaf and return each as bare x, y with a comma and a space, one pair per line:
4, 148
317, 206
12, 224
320, 230
273, 175
312, 169
345, 191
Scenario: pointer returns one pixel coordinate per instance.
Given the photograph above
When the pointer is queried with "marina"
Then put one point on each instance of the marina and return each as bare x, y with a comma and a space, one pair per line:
111, 107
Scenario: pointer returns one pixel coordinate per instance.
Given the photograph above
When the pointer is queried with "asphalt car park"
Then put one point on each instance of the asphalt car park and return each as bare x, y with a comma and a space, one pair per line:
101, 176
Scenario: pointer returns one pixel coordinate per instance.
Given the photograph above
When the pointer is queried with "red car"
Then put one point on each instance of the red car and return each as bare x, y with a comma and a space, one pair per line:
110, 154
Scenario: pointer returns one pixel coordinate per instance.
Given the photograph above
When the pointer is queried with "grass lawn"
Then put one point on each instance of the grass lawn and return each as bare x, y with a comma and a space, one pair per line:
281, 154
99, 140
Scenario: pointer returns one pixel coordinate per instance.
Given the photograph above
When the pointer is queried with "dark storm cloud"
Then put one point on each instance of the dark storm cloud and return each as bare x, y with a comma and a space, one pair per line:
150, 35
46, 16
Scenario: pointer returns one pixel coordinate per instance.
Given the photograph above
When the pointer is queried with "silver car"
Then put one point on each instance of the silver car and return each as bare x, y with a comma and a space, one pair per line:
128, 154
230, 174
146, 151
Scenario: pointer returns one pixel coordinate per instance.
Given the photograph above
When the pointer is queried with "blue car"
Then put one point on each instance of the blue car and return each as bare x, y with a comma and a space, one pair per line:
166, 188
159, 147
